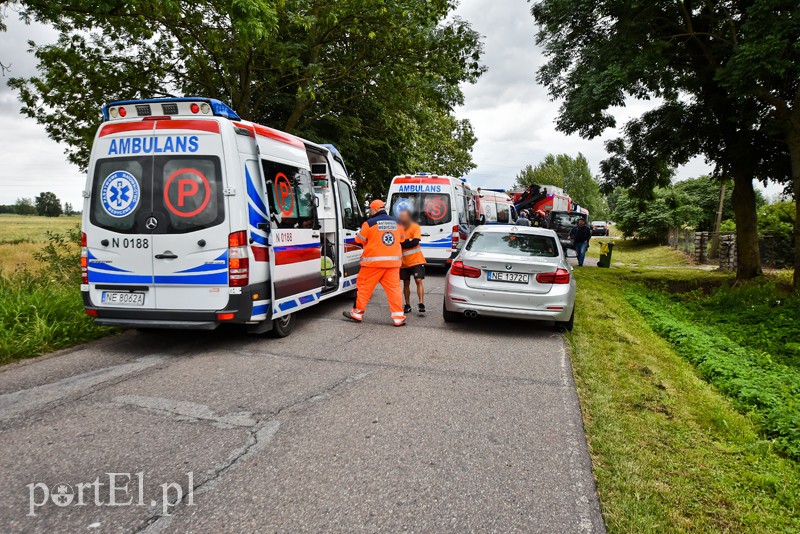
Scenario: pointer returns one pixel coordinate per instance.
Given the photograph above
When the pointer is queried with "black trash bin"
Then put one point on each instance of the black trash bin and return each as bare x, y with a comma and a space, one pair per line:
606, 248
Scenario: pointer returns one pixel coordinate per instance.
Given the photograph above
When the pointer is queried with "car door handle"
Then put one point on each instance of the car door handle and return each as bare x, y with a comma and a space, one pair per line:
166, 256
314, 235
426, 235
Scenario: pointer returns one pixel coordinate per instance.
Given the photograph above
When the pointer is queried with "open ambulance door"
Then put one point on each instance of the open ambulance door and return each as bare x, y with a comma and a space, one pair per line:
294, 238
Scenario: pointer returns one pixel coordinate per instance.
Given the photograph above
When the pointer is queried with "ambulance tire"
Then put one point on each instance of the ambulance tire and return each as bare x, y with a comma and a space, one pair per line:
450, 317
283, 327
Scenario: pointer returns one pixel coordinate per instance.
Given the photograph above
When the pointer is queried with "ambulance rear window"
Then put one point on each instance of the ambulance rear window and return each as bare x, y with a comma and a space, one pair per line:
188, 189
120, 191
428, 209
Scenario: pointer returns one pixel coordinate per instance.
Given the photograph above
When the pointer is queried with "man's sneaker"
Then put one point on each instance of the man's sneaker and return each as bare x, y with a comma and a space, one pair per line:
400, 324
407, 308
421, 309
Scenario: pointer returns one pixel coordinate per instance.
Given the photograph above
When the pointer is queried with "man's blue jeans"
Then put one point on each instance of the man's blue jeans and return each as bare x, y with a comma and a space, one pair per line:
580, 250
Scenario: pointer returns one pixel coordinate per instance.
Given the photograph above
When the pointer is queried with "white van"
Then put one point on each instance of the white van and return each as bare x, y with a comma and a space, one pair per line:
495, 207
444, 207
193, 218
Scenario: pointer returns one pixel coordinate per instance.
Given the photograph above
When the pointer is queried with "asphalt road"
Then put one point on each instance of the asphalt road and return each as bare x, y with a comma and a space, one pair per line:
339, 427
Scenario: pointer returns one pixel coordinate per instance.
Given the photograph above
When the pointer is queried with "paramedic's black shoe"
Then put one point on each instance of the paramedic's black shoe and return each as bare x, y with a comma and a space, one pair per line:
353, 316
407, 308
421, 309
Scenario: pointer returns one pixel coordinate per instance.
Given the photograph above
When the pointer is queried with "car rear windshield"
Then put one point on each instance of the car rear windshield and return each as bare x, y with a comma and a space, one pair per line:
567, 219
518, 244
599, 223
428, 209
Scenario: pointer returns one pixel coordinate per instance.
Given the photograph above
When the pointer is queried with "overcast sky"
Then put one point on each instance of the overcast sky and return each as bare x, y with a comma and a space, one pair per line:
512, 115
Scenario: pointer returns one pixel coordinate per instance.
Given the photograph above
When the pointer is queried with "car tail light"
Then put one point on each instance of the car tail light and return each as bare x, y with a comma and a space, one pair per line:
84, 260
459, 269
561, 276
225, 316
238, 261
455, 237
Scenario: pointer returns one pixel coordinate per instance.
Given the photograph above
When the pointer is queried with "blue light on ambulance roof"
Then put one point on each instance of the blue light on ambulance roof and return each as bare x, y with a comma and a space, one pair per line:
334, 150
219, 108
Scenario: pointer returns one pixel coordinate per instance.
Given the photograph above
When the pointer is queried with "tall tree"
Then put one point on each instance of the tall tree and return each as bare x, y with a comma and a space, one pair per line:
571, 174
379, 77
48, 205
604, 52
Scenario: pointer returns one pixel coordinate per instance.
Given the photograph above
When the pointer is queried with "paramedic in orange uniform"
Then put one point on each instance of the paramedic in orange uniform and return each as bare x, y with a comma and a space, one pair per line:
381, 236
413, 261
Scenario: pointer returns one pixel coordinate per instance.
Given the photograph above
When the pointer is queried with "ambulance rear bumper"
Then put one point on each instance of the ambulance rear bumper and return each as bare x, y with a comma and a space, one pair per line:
144, 323
240, 305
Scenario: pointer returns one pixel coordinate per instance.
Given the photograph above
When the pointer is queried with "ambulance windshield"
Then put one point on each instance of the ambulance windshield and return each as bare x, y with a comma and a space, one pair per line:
428, 209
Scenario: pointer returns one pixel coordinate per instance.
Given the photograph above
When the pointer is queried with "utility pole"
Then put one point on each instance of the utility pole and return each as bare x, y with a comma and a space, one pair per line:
717, 224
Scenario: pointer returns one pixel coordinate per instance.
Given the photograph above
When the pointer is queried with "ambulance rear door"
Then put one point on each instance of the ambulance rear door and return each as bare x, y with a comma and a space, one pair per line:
118, 242
190, 237
294, 240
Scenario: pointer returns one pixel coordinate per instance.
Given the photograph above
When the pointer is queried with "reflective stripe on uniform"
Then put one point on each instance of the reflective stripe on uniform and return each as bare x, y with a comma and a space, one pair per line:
411, 251
398, 314
380, 258
359, 236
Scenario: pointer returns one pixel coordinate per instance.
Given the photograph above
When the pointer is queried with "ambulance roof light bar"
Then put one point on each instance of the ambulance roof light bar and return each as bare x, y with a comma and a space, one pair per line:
217, 107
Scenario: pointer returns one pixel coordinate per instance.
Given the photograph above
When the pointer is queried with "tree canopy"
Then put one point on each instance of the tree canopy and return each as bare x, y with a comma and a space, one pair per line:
379, 78
724, 73
573, 175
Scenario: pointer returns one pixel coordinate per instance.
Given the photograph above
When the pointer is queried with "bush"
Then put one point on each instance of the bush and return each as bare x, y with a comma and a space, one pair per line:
768, 391
43, 311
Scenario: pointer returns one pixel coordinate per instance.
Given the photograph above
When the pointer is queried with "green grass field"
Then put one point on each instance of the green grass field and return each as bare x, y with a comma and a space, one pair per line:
22, 235
40, 300
670, 452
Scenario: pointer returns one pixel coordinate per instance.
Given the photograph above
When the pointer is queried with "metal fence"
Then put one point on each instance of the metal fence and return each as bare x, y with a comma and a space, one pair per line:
720, 248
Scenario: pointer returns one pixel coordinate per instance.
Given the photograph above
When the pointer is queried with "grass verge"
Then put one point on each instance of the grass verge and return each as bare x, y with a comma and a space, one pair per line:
669, 452
42, 310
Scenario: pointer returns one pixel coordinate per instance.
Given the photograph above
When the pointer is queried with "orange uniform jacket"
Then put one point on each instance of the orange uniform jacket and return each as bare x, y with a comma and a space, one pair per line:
412, 252
381, 236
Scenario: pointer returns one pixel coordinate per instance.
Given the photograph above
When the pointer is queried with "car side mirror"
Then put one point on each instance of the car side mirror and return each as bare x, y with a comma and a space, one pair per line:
264, 227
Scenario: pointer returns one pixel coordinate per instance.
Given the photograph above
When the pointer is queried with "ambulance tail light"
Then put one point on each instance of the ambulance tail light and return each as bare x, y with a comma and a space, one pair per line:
238, 261
455, 237
84, 260
459, 269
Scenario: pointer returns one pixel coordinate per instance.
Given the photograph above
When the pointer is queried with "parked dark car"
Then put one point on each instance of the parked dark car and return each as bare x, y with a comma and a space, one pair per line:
600, 228
562, 223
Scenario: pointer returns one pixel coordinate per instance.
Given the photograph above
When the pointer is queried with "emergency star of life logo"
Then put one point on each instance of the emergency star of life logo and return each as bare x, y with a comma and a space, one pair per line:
388, 239
119, 194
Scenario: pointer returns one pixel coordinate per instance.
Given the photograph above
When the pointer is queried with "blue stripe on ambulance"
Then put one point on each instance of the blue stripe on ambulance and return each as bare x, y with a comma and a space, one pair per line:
256, 211
295, 301
219, 261
441, 243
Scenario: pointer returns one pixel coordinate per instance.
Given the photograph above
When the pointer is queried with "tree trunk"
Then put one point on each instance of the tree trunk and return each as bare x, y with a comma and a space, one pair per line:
744, 208
794, 156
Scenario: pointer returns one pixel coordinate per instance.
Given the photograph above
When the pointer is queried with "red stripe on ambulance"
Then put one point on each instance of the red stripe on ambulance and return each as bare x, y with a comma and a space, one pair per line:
113, 128
203, 126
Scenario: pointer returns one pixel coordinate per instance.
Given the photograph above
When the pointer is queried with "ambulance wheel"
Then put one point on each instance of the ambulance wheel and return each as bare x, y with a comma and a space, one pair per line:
450, 317
283, 327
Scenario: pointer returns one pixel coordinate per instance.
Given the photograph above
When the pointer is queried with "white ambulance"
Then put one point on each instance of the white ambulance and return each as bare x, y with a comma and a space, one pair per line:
495, 207
193, 218
445, 208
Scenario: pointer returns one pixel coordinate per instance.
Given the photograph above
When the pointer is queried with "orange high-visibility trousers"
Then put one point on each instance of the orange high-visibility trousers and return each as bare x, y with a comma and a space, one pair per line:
389, 278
